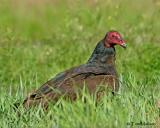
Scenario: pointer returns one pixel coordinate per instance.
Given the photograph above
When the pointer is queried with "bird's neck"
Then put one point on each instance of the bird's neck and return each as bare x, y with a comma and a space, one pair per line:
102, 55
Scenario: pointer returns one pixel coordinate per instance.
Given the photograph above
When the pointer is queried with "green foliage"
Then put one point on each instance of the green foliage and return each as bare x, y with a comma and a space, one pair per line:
40, 39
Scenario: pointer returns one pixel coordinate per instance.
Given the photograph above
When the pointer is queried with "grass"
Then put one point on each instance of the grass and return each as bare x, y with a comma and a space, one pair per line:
40, 39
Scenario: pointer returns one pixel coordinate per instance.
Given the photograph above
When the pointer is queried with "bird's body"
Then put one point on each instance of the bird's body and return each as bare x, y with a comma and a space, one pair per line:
99, 70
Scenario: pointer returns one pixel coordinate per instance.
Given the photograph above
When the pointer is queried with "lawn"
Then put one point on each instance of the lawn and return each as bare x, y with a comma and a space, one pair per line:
39, 39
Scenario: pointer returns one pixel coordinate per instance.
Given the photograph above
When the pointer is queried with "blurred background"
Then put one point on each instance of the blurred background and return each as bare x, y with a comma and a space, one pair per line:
40, 38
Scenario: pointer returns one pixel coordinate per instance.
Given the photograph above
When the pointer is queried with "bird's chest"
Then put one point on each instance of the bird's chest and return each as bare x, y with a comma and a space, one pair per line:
106, 56
107, 59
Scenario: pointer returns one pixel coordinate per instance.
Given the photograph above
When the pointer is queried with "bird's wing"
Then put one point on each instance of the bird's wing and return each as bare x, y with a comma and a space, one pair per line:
82, 71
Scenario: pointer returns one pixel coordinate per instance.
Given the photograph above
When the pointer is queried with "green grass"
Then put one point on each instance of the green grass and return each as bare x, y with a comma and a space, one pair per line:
40, 39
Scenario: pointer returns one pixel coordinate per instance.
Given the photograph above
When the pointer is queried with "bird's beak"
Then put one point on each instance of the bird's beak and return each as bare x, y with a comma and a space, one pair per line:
124, 45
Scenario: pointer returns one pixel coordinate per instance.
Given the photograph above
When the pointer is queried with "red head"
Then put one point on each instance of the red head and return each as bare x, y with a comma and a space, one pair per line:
114, 38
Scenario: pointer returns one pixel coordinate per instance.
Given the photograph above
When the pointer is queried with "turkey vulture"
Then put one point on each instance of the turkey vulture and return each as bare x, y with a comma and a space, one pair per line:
98, 70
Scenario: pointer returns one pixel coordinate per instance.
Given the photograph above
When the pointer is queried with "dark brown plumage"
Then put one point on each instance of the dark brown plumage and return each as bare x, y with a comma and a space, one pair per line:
99, 70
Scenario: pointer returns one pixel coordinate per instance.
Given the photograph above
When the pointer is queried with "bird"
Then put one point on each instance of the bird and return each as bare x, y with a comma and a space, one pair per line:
98, 70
